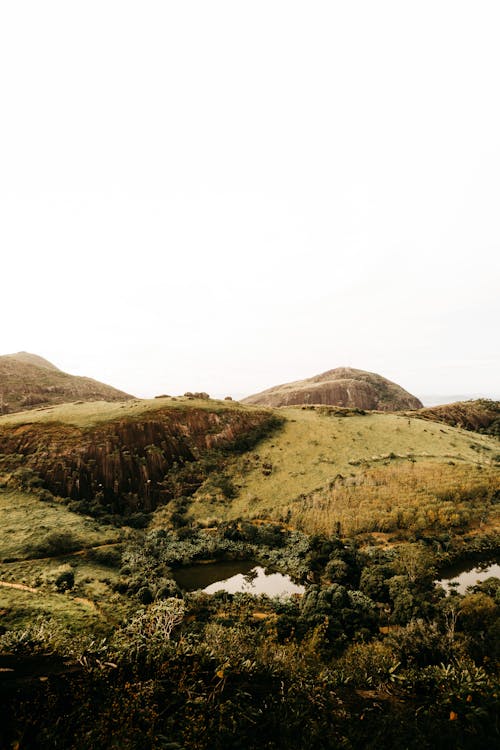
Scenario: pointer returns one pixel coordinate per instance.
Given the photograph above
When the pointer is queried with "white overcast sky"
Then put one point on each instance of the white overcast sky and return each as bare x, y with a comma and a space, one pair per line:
223, 196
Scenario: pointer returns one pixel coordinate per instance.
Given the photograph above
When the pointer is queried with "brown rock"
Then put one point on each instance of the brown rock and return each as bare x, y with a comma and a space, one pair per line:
343, 386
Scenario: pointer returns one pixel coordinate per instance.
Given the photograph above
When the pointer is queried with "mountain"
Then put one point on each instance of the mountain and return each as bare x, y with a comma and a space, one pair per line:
27, 381
343, 386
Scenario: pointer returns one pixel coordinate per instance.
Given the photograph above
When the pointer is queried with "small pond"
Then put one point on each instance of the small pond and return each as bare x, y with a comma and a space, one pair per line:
233, 577
468, 574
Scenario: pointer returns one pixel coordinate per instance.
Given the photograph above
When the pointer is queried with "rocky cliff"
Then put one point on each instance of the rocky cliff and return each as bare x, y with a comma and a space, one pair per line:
126, 463
343, 386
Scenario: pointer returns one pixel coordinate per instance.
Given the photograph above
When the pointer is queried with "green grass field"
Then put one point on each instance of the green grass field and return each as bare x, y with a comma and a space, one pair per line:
40, 540
86, 414
312, 449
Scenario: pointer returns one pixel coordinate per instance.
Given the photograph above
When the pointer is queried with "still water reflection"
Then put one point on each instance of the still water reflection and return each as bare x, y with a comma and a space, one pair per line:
468, 574
233, 577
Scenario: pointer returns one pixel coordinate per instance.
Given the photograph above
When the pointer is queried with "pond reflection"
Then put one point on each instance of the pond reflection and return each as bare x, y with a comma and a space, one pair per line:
465, 574
234, 577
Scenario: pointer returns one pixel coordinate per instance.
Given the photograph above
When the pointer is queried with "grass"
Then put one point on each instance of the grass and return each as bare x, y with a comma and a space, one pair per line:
410, 497
20, 609
312, 449
29, 524
87, 414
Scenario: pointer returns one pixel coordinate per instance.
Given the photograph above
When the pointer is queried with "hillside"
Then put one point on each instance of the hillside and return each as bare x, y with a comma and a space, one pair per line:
343, 386
481, 415
372, 472
120, 456
27, 380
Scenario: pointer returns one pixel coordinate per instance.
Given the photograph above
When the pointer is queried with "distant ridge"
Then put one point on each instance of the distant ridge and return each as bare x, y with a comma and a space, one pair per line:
343, 386
28, 381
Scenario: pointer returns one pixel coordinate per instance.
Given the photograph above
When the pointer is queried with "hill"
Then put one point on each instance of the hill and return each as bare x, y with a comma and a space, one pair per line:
343, 386
371, 472
481, 415
129, 456
27, 380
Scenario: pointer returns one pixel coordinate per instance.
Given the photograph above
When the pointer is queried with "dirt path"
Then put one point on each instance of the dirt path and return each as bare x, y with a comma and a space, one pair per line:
19, 586
74, 553
22, 587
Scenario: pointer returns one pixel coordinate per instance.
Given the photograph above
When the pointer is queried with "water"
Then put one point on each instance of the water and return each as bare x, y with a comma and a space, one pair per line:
233, 577
468, 574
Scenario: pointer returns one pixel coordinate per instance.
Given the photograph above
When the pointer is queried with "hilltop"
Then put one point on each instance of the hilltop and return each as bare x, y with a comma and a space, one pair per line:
343, 386
27, 381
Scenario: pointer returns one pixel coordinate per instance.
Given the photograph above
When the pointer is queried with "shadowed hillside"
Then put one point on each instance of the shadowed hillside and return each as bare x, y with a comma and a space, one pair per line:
482, 415
121, 456
343, 386
27, 380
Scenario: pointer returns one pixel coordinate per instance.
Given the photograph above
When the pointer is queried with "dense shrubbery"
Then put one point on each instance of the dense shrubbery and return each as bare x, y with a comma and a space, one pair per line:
372, 654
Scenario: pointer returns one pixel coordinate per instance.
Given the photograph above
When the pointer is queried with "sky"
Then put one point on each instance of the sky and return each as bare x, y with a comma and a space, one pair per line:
223, 196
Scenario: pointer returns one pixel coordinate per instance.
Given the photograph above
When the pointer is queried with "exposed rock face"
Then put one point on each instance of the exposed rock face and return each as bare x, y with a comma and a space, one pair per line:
343, 386
27, 381
124, 463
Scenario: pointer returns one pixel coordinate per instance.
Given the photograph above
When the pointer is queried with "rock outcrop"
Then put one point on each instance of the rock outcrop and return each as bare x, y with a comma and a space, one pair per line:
343, 386
128, 463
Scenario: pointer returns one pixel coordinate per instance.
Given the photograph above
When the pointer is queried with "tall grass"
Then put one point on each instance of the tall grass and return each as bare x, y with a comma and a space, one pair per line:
409, 496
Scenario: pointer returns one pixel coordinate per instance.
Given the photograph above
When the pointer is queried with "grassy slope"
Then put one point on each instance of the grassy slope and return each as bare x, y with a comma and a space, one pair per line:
26, 522
93, 412
312, 449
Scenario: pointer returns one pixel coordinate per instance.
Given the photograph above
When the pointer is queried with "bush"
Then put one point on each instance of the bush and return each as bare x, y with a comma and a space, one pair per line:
54, 544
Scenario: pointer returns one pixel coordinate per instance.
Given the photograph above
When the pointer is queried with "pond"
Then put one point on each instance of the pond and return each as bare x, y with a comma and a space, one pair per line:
233, 577
468, 574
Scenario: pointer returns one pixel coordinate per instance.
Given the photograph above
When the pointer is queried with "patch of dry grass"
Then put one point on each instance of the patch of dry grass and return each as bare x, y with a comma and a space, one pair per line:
411, 497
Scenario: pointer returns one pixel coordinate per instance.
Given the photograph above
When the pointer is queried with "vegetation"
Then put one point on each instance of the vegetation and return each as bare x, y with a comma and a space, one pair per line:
29, 381
100, 646
395, 470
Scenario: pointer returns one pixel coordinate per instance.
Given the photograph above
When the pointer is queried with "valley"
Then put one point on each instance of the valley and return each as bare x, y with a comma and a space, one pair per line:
115, 516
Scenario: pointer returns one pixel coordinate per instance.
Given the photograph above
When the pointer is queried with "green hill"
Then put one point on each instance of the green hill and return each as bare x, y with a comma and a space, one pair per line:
320, 450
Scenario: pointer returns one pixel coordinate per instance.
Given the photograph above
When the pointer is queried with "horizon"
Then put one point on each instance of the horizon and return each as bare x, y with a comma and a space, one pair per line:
228, 197
428, 400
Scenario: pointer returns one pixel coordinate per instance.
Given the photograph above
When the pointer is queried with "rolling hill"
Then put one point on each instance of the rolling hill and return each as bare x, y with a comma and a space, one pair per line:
28, 381
343, 386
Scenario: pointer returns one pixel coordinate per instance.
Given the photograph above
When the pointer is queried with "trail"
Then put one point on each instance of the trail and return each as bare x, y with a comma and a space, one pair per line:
19, 586
74, 553
22, 587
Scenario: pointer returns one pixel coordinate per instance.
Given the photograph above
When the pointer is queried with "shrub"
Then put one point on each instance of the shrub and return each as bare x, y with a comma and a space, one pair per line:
54, 544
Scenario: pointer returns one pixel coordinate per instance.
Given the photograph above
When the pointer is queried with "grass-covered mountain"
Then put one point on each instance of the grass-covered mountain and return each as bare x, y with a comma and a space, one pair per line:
27, 381
343, 386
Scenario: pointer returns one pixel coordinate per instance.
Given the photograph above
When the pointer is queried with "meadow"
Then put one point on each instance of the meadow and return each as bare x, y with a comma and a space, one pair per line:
367, 472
